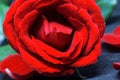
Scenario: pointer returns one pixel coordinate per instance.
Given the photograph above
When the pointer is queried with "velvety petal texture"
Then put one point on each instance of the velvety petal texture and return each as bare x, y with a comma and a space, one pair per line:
113, 38
15, 67
52, 37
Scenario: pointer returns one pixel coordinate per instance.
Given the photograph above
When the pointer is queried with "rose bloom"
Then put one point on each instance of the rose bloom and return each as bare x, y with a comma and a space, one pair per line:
52, 37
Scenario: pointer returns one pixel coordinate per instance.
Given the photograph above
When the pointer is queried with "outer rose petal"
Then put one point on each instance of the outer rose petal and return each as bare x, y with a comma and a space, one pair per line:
90, 58
26, 22
95, 12
14, 66
42, 67
35, 62
9, 28
93, 30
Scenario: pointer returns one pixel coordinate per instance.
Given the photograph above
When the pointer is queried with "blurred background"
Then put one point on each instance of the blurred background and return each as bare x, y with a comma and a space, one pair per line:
102, 70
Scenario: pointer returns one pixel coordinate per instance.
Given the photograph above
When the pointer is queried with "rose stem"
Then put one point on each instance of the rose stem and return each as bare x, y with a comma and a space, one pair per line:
79, 74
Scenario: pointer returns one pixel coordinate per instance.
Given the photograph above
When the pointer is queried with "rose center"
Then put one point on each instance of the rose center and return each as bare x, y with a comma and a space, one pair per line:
53, 29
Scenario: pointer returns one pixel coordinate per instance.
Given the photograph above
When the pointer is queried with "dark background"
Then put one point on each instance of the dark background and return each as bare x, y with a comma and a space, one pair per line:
102, 70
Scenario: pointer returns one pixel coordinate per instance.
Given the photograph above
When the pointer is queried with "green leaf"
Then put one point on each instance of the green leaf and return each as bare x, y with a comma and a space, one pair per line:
5, 51
4, 2
3, 9
107, 7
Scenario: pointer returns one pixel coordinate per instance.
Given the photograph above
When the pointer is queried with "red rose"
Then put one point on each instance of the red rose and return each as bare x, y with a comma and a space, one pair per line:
52, 37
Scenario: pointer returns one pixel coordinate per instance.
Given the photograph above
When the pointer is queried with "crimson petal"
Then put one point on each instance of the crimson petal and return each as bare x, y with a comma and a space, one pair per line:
15, 67
117, 30
111, 39
116, 65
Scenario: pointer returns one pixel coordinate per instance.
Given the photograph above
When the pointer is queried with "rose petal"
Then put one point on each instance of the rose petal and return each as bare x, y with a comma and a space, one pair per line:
44, 55
42, 67
111, 39
67, 8
45, 4
24, 27
57, 54
90, 58
39, 65
53, 33
92, 30
0, 67
95, 13
117, 31
28, 6
22, 11
60, 28
83, 16
14, 66
80, 3
8, 27
79, 26
116, 65
74, 54
59, 36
